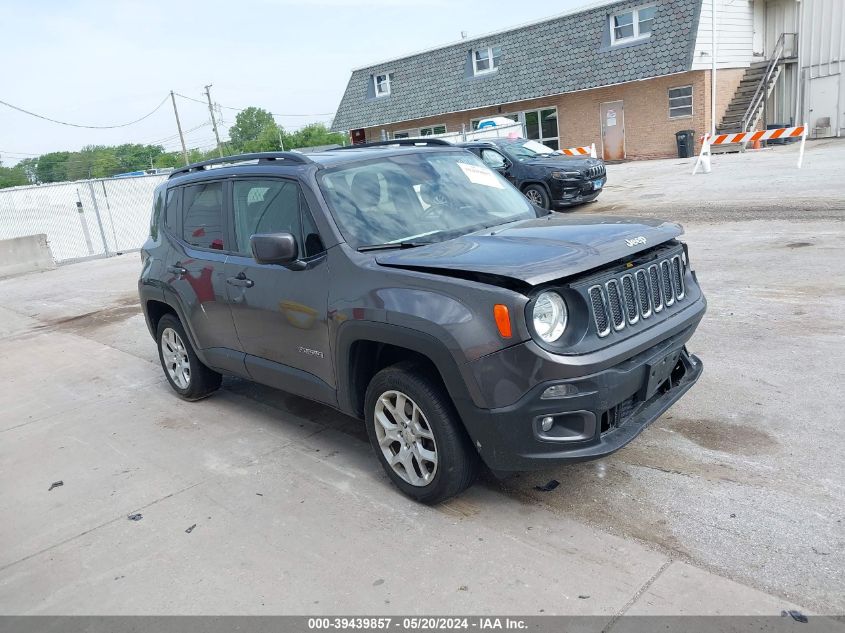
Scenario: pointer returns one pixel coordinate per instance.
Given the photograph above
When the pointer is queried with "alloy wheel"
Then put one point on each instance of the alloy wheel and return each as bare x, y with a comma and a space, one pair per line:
405, 438
175, 358
534, 196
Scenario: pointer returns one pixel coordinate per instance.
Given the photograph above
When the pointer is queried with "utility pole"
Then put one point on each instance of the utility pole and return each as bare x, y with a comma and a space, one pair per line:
179, 127
213, 121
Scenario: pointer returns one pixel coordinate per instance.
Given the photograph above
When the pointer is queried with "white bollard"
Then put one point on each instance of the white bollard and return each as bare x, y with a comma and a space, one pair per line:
703, 157
801, 150
593, 151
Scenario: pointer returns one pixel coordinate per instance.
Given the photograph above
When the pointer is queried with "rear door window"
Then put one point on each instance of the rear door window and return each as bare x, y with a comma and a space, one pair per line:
202, 216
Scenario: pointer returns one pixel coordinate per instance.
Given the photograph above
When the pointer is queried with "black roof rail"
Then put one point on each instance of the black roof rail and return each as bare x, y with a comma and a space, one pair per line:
261, 157
402, 142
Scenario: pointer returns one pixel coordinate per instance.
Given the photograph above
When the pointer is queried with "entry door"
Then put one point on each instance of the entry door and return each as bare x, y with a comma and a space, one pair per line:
824, 96
280, 312
613, 130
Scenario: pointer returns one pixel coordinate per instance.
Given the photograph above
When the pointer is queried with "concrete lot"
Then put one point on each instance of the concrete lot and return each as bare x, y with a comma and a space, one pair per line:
731, 503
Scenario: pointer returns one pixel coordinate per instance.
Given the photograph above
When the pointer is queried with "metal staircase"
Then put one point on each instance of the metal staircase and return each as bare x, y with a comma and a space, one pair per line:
746, 107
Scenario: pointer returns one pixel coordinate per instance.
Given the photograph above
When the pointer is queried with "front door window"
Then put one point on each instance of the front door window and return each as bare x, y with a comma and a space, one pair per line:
493, 159
273, 206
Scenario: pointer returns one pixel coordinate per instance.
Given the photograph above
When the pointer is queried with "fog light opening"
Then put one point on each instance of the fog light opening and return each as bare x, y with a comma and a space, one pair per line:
559, 391
547, 422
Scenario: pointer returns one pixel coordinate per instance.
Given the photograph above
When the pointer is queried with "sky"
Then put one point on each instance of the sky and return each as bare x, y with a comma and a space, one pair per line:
107, 62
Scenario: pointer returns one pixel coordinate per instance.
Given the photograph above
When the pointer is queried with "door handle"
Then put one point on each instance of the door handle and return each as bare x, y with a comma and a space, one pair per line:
240, 280
176, 269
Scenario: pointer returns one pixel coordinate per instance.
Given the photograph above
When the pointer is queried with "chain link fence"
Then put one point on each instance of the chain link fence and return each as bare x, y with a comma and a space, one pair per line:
82, 219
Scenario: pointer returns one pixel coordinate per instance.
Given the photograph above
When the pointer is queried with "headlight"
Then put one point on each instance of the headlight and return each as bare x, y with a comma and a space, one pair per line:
550, 316
563, 175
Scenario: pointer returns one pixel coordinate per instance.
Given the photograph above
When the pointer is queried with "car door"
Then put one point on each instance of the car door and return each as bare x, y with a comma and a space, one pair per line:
280, 312
497, 161
195, 276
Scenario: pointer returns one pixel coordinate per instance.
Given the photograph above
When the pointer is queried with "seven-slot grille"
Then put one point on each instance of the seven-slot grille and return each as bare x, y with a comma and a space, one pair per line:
595, 172
632, 296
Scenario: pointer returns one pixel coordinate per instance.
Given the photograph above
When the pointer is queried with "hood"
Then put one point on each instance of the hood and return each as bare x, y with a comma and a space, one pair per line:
560, 161
539, 250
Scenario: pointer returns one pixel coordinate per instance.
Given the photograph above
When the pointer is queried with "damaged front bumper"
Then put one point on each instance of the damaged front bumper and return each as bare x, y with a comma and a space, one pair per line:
589, 415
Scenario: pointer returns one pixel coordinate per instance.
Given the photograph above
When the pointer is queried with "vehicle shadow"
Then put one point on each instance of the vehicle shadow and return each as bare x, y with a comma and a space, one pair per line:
327, 417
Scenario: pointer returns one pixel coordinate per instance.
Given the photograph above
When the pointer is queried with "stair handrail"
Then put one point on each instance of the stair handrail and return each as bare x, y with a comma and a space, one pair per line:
761, 93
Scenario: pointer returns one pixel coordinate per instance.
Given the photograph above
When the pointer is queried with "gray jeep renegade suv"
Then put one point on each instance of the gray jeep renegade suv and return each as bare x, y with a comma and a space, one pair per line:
410, 286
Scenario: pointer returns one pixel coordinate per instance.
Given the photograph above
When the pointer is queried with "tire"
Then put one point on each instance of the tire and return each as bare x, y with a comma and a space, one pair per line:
190, 378
537, 195
438, 432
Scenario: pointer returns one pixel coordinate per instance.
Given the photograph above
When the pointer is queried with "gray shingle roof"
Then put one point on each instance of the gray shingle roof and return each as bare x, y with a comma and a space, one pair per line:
562, 54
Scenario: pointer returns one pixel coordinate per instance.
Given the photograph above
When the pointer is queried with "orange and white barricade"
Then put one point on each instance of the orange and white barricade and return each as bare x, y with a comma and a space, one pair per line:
588, 150
748, 137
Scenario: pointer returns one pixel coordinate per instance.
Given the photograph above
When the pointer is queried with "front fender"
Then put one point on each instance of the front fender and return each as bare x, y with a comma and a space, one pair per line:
457, 377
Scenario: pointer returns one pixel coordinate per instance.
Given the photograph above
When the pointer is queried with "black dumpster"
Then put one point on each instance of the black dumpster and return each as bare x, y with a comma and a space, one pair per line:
686, 143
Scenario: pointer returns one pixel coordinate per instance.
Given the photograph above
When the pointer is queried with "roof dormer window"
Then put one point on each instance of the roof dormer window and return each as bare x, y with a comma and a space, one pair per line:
486, 60
381, 83
634, 24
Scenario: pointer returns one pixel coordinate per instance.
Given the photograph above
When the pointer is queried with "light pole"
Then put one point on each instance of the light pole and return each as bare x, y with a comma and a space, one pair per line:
713, 51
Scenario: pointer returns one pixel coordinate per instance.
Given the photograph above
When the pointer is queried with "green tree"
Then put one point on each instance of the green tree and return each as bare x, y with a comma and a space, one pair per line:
29, 166
170, 159
254, 131
52, 167
13, 176
313, 135
80, 165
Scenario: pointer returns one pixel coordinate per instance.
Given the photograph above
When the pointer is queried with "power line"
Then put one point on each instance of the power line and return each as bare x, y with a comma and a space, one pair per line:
242, 109
173, 137
167, 141
89, 127
10, 153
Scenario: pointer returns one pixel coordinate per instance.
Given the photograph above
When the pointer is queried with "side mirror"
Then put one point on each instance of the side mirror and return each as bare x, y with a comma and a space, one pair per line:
274, 248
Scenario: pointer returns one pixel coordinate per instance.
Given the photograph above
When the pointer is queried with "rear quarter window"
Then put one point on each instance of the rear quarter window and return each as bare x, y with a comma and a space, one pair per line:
171, 217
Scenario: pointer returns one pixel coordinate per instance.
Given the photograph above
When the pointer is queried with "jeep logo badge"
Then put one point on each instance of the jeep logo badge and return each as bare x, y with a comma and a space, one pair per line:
636, 240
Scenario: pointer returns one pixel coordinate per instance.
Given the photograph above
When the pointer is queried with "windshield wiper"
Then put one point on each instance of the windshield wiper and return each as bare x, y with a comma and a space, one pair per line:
390, 245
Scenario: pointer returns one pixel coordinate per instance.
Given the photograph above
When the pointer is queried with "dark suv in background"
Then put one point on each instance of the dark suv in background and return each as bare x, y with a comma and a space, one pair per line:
414, 288
548, 178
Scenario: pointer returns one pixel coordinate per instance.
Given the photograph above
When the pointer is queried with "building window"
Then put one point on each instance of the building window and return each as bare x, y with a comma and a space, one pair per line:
382, 85
486, 60
423, 131
433, 129
680, 102
474, 123
541, 125
631, 25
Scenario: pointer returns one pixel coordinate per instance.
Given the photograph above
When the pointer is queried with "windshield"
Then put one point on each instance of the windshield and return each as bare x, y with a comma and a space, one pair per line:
419, 197
523, 150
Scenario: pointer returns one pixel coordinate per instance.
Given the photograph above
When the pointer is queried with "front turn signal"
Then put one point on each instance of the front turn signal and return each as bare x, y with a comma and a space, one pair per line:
503, 320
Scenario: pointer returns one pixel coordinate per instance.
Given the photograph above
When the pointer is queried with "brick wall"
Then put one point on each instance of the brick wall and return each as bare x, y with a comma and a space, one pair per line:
649, 132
